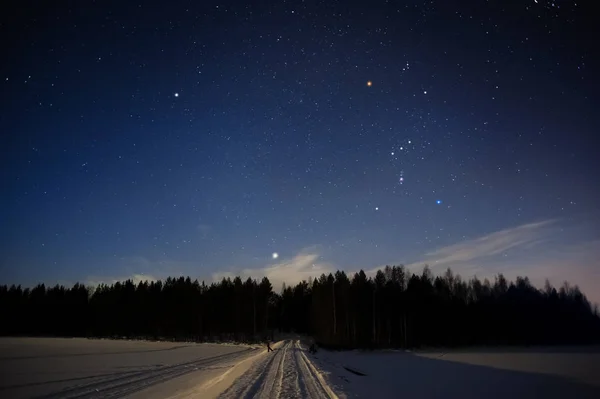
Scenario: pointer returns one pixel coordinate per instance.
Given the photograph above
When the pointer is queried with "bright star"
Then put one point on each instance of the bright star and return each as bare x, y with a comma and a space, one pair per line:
176, 94
438, 202
369, 83
275, 255
376, 208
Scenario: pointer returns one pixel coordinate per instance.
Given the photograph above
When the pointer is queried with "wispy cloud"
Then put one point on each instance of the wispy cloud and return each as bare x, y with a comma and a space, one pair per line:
307, 263
304, 265
476, 251
538, 250
546, 249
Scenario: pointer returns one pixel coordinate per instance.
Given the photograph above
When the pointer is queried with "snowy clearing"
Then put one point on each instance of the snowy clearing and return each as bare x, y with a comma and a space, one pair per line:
72, 368
75, 368
472, 373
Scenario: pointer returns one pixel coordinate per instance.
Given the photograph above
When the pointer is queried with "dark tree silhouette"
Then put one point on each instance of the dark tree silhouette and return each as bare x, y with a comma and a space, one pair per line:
396, 308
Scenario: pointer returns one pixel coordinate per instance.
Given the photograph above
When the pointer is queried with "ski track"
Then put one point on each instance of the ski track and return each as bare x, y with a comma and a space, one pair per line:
284, 375
127, 383
314, 387
291, 378
299, 382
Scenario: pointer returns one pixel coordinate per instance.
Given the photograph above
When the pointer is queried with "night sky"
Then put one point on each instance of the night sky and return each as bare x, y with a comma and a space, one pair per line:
201, 138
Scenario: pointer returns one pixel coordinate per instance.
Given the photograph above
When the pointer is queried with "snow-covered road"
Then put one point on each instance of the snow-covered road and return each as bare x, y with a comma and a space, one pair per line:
285, 373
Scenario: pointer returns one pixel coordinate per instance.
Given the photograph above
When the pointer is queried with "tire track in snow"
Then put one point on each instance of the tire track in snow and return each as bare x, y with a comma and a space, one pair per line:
299, 382
281, 370
315, 387
130, 382
269, 387
288, 374
253, 383
290, 384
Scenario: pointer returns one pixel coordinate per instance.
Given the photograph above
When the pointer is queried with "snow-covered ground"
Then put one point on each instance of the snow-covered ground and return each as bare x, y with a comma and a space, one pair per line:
70, 368
74, 368
471, 373
285, 373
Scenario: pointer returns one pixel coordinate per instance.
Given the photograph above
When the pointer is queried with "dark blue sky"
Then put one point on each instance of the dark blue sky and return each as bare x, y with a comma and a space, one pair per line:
199, 138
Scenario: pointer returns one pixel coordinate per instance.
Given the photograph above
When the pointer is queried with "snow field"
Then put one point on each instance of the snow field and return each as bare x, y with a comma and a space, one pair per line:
500, 373
76, 368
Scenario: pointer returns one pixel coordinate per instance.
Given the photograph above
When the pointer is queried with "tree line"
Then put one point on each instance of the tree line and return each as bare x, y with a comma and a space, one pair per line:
395, 309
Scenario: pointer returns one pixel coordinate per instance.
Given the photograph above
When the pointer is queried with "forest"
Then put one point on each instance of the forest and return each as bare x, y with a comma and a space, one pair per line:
394, 309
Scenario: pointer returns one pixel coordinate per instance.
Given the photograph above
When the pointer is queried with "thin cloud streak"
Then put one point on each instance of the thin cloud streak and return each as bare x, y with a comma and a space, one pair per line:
534, 250
303, 266
289, 271
526, 236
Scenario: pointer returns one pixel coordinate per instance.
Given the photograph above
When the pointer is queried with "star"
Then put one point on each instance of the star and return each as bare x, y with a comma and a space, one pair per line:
376, 208
176, 94
439, 202
369, 83
275, 255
